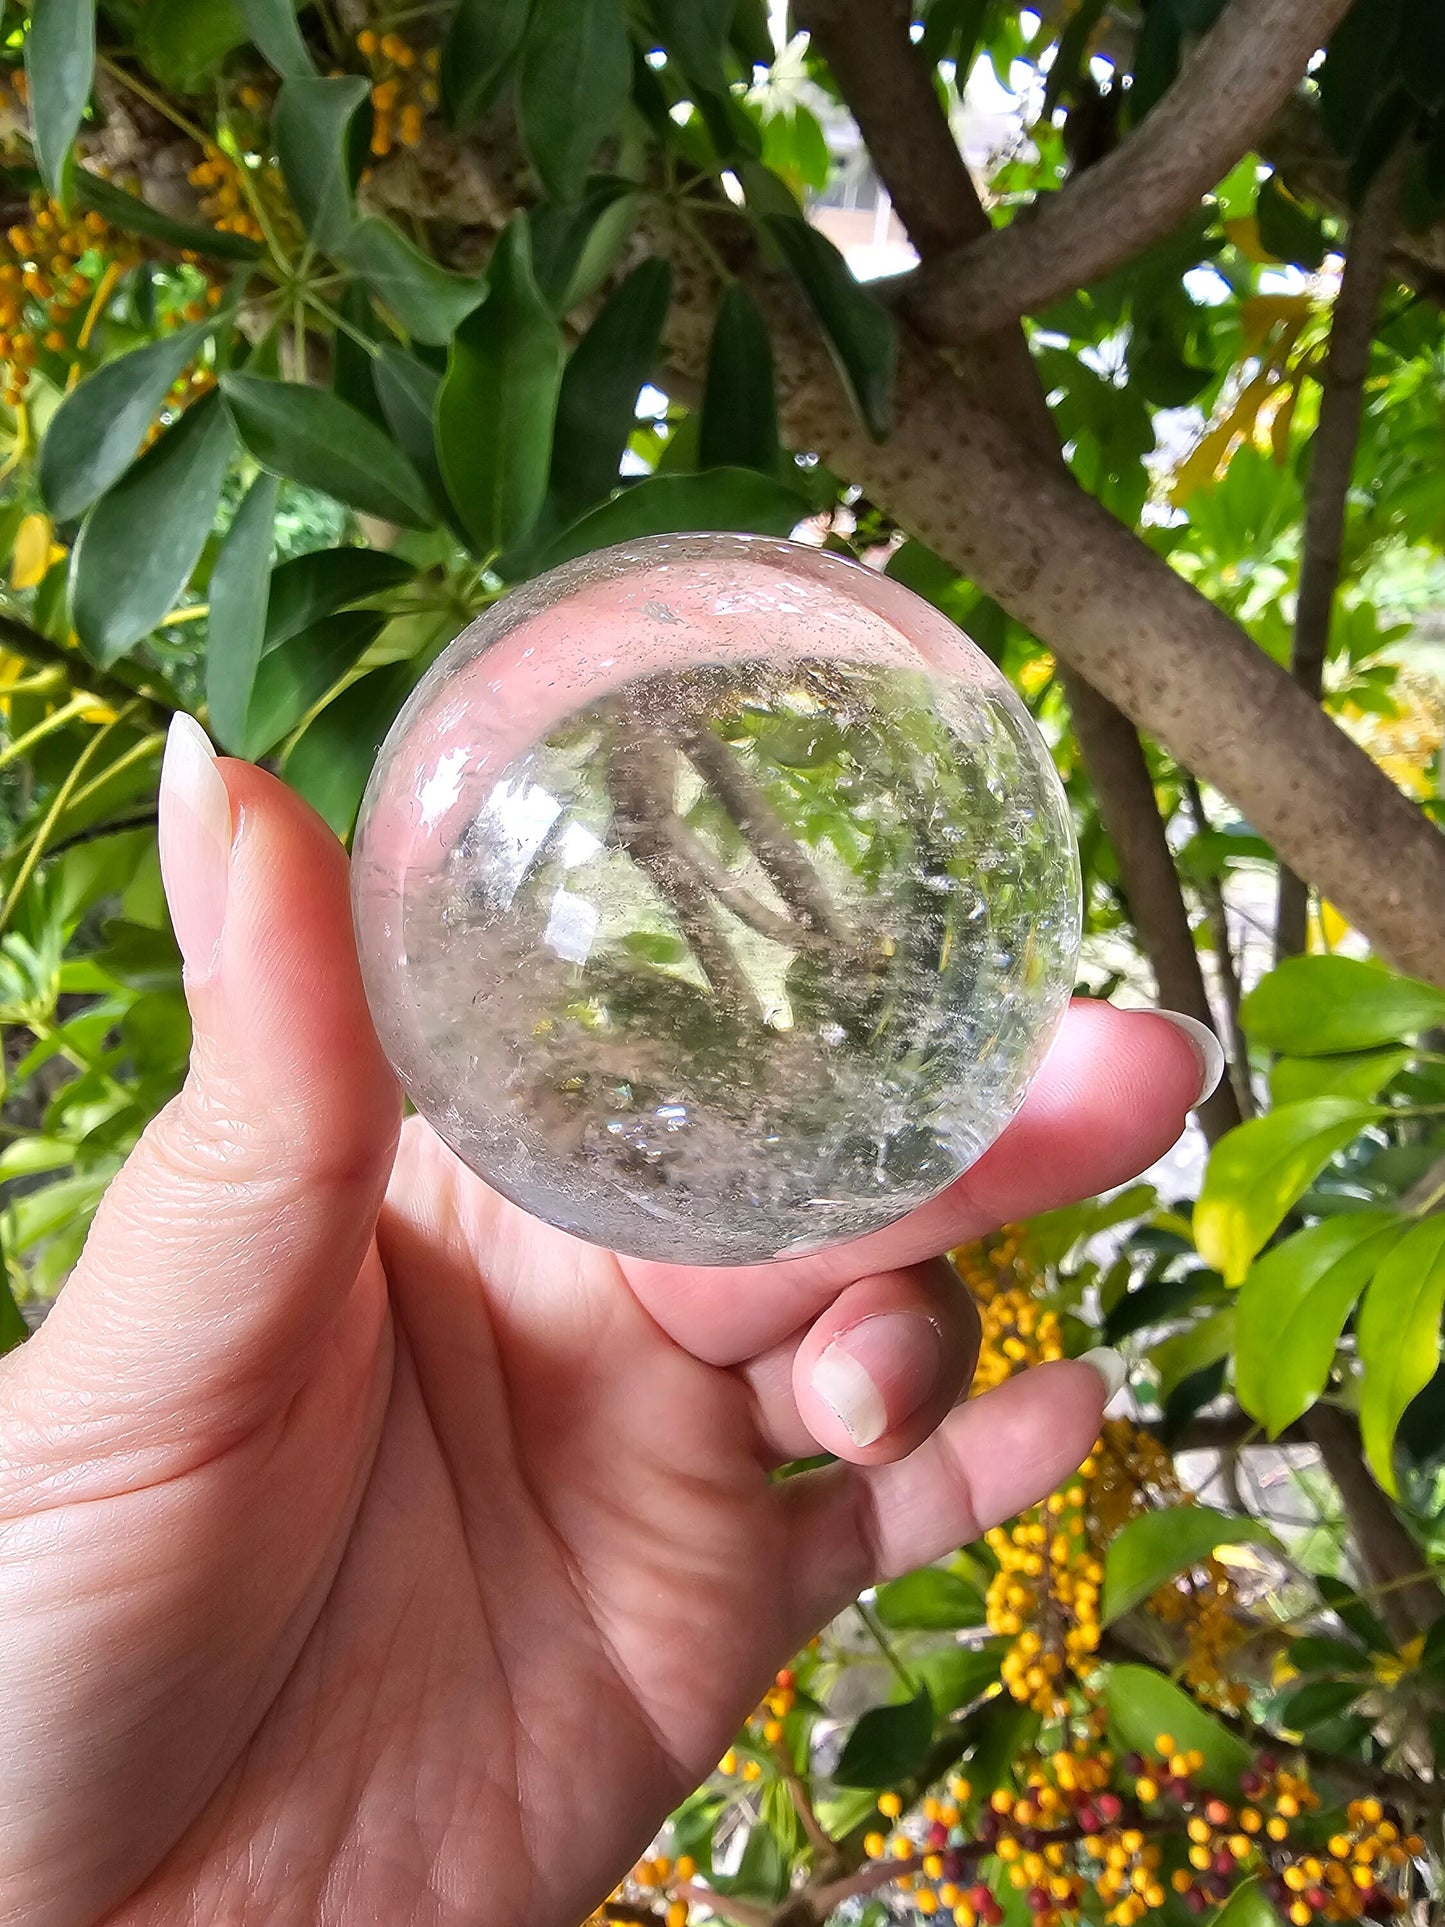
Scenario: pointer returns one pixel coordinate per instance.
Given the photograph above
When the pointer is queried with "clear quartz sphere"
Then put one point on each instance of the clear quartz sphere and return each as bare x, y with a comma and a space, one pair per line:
717, 899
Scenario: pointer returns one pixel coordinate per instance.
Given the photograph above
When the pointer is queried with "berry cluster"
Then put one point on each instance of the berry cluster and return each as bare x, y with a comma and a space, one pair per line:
1045, 1597
1134, 1474
1086, 1829
1017, 1331
224, 201
644, 1893
56, 269
403, 89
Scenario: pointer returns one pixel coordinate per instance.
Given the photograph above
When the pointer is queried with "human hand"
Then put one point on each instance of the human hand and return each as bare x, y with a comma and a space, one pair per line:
370, 1552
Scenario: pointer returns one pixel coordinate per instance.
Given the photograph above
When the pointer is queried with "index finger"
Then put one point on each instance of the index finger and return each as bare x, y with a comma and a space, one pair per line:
1112, 1097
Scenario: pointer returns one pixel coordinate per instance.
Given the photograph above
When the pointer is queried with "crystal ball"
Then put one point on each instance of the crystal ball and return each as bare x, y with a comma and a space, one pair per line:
717, 899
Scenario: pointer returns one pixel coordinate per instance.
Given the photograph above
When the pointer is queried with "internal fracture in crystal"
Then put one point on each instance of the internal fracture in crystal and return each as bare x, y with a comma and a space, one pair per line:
717, 899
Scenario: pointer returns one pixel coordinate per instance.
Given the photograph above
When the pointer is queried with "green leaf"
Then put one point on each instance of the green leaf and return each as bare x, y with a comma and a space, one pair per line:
312, 128
294, 677
929, 1599
59, 67
497, 402
13, 1328
429, 301
1286, 230
238, 595
407, 391
1320, 1006
94, 434
311, 586
1192, 1351
1143, 1704
1398, 1334
574, 248
183, 42
597, 401
271, 25
1257, 1171
695, 34
573, 84
331, 759
858, 331
1292, 1310
722, 498
739, 406
958, 1676
1360, 1074
478, 53
1344, 1602
1149, 1551
1005, 1732
134, 216
1315, 1704
138, 545
1247, 1906
310, 436
888, 1744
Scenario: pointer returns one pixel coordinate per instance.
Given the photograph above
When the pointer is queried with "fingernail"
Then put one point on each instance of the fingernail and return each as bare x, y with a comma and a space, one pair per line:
1208, 1051
1110, 1367
875, 1375
195, 844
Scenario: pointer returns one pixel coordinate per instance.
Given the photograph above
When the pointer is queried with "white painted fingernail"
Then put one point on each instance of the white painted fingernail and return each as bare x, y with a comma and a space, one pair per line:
1208, 1051
1110, 1367
195, 844
847, 1389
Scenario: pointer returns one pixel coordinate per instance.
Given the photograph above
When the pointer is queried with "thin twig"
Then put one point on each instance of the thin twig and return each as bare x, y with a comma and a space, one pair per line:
1332, 459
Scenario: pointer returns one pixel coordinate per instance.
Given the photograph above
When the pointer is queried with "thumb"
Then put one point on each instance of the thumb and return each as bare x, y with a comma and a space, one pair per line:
229, 1245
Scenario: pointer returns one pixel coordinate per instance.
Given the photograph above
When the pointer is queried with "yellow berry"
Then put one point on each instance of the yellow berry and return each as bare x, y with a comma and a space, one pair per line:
874, 1845
890, 1805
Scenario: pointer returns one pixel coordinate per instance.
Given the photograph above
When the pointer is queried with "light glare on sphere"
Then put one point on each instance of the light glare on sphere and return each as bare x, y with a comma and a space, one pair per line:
717, 899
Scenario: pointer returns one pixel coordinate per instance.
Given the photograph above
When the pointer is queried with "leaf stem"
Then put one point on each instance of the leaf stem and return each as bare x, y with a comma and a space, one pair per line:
880, 1638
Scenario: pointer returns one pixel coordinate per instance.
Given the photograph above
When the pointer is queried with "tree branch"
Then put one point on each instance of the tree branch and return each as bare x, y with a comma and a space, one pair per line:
1388, 1551
1227, 91
1332, 460
1217, 916
1114, 610
125, 683
1130, 813
890, 94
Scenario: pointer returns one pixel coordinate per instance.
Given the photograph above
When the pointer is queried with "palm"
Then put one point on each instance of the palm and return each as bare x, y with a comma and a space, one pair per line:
531, 1646
409, 1567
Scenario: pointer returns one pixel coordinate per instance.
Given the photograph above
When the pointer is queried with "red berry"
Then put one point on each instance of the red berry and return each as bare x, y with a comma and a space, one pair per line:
979, 1897
953, 1864
992, 1914
1195, 1901
1088, 1819
988, 1827
1133, 1764
1268, 1763
936, 1838
1216, 1813
1179, 1788
1316, 1896
786, 1678
1251, 1785
1038, 1900
1223, 1863
1110, 1807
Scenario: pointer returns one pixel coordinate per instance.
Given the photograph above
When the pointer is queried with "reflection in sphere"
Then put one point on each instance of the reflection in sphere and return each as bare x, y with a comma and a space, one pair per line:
717, 899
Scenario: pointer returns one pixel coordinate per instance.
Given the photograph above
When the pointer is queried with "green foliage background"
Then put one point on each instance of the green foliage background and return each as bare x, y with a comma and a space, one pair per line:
369, 359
